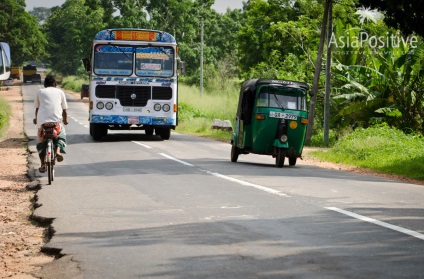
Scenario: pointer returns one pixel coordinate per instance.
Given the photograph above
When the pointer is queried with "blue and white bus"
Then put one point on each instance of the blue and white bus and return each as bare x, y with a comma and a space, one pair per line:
133, 82
5, 61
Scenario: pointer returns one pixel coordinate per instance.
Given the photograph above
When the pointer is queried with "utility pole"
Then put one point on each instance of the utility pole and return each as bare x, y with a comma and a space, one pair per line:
328, 76
317, 74
201, 57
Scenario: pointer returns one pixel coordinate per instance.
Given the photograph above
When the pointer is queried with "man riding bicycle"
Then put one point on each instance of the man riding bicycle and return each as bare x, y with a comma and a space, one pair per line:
50, 106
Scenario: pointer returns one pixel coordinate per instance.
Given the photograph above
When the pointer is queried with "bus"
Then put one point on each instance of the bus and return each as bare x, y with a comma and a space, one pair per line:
5, 61
133, 82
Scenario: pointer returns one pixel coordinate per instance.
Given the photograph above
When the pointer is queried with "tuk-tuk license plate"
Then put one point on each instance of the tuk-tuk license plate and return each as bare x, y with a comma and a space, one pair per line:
277, 114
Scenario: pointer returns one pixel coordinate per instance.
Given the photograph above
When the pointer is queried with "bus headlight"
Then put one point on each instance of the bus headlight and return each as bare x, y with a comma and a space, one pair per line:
109, 106
166, 107
100, 105
283, 138
157, 107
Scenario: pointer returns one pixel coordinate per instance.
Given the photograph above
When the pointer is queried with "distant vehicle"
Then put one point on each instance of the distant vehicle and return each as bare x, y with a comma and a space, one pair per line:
36, 78
28, 72
8, 82
15, 72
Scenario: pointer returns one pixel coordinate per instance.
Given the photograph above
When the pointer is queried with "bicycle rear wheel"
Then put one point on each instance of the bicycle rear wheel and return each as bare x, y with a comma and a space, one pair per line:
50, 172
50, 160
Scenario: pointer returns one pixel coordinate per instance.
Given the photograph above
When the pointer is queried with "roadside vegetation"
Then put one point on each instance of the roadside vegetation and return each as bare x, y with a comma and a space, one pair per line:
381, 148
5, 112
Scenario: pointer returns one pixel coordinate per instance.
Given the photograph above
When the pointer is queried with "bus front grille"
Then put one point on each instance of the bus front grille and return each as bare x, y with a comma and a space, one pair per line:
162, 93
133, 96
129, 96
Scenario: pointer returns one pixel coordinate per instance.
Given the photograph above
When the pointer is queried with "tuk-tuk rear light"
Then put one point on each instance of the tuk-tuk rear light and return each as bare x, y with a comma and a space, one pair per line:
260, 117
283, 138
304, 121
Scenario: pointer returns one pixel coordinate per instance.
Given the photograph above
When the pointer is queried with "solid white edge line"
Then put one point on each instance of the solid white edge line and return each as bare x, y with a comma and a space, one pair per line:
176, 160
146, 146
379, 223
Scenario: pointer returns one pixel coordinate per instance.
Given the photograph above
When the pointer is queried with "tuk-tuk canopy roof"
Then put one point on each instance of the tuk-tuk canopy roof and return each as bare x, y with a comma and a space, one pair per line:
248, 91
253, 83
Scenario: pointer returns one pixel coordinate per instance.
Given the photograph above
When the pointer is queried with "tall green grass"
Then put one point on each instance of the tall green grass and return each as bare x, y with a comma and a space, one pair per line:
73, 83
197, 111
379, 148
5, 113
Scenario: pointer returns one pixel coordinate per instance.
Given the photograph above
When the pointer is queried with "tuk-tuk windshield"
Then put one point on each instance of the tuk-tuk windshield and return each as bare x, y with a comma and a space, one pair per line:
282, 97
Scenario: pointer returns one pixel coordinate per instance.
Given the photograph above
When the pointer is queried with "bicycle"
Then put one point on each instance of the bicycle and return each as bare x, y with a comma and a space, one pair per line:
50, 130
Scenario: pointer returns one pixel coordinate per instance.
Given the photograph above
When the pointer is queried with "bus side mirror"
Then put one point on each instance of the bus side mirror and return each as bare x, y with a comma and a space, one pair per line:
182, 67
311, 94
86, 63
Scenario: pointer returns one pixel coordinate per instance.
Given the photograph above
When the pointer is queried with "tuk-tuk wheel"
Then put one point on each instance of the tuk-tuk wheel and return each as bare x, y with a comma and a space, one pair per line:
234, 153
292, 161
279, 159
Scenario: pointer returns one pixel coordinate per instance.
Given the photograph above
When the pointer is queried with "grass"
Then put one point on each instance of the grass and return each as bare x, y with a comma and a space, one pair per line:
73, 83
197, 112
5, 112
379, 148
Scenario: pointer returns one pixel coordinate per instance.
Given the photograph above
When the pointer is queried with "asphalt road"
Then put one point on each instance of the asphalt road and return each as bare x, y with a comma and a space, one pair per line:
134, 206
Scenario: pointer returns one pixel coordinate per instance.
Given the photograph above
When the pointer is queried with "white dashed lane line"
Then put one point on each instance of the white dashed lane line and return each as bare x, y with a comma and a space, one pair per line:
278, 193
139, 143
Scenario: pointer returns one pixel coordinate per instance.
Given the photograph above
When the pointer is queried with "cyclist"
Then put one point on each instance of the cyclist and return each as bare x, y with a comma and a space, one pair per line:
50, 106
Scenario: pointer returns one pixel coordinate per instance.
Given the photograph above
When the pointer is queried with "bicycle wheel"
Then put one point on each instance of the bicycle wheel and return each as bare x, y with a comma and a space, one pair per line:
50, 172
49, 160
53, 161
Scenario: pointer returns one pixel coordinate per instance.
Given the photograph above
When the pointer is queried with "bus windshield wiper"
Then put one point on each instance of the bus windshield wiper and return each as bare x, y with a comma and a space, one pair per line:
118, 48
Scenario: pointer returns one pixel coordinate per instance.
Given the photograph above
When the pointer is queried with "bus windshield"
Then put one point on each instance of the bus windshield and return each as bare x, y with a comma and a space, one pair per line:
113, 60
154, 61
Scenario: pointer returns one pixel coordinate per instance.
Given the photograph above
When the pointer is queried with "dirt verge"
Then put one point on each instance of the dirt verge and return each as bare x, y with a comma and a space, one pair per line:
20, 238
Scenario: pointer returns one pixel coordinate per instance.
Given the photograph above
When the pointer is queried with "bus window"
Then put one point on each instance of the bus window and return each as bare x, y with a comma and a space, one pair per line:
155, 61
113, 60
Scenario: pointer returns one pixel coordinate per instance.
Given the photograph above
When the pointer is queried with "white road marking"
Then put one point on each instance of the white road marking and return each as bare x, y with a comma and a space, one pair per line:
379, 223
176, 160
139, 143
241, 182
244, 183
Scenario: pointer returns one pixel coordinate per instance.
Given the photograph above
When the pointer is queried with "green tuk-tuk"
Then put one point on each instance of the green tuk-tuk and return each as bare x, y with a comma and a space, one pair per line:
271, 119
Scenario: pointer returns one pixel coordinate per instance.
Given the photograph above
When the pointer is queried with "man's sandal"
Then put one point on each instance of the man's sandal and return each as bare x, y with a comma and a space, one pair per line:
42, 169
59, 157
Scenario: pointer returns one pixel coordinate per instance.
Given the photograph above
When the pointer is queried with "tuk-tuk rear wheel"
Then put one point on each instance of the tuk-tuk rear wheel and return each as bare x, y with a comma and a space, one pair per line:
292, 161
281, 155
234, 153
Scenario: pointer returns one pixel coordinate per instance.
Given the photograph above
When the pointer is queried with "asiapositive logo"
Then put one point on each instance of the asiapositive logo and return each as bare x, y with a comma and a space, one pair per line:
374, 42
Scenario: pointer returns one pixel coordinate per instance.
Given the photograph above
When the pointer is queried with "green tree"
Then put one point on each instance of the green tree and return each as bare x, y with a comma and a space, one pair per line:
21, 31
70, 30
41, 13
378, 82
407, 16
